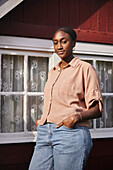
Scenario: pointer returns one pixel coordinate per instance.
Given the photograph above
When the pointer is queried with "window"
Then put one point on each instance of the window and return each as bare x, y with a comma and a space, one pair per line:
22, 87
101, 57
104, 70
24, 66
23, 74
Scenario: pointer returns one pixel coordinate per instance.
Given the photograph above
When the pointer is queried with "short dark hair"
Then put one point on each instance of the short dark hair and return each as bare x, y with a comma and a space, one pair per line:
69, 31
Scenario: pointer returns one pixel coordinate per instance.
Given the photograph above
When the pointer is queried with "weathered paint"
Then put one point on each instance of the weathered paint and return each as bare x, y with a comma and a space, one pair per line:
91, 19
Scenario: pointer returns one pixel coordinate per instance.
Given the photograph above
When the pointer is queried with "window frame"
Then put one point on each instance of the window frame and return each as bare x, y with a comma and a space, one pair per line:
99, 52
44, 48
25, 47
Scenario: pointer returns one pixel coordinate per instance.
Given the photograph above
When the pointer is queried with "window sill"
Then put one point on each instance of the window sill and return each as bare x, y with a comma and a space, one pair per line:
21, 137
101, 133
24, 137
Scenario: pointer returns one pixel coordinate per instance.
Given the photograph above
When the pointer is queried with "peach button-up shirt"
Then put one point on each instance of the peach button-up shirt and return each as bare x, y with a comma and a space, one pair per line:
70, 91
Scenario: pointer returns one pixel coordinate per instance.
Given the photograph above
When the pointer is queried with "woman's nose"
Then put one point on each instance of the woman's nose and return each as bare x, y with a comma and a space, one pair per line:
59, 46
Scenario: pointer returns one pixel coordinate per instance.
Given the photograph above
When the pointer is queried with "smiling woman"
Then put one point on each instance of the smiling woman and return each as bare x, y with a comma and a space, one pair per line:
63, 45
71, 98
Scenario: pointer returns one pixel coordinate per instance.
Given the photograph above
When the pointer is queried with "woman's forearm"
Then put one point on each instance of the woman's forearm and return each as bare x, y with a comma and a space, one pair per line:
92, 113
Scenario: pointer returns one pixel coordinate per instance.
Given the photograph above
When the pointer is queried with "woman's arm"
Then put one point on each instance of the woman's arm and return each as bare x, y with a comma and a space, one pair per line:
92, 113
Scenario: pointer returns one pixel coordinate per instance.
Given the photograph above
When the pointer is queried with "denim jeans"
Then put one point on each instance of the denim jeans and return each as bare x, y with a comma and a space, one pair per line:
61, 148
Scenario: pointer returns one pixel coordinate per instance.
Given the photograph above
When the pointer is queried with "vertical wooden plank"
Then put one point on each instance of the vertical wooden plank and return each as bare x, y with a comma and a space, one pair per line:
84, 14
53, 12
106, 162
92, 161
64, 12
74, 13
102, 16
110, 15
29, 11
94, 15
24, 150
41, 12
17, 14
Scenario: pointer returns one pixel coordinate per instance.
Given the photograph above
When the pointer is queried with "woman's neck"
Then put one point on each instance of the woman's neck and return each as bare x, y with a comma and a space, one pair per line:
65, 62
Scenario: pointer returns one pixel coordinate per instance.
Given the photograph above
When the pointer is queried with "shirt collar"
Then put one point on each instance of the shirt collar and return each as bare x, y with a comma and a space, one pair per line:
72, 63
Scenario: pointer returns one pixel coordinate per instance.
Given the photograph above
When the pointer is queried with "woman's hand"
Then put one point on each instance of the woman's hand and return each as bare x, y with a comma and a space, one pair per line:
91, 113
37, 122
70, 121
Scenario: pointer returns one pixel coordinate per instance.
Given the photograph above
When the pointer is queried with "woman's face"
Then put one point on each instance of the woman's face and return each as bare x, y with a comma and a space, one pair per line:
63, 44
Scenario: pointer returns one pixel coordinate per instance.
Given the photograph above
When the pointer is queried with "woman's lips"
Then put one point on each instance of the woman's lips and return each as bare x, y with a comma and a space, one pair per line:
60, 52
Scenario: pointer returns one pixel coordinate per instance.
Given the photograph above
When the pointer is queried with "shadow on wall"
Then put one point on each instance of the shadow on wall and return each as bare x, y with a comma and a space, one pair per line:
41, 18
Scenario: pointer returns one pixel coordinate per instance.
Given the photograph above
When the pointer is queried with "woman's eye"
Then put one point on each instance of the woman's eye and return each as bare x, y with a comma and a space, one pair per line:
55, 43
64, 41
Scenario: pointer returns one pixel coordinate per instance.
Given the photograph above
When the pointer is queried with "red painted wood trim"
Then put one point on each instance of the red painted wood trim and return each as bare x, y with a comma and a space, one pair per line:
98, 37
41, 31
27, 30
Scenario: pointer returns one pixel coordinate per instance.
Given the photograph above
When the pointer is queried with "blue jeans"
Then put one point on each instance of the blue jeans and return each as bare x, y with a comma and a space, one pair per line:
61, 148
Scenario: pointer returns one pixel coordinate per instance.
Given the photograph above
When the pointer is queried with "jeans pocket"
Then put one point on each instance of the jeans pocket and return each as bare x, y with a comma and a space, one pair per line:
66, 127
37, 127
71, 129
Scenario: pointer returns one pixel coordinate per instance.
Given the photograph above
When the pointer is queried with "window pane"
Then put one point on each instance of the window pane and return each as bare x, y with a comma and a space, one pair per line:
91, 123
38, 71
12, 73
107, 118
35, 109
105, 73
11, 114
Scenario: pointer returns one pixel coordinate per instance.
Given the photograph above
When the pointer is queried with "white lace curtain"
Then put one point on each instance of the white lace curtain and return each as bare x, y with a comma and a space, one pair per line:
38, 71
105, 72
12, 77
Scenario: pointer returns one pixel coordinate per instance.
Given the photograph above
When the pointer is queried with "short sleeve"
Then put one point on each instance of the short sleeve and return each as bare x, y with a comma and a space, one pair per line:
92, 88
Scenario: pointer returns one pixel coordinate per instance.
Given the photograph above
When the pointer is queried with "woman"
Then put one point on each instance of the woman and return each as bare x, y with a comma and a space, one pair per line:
71, 98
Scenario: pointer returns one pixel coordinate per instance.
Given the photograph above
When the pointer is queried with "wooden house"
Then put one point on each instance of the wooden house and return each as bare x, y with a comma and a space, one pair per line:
26, 55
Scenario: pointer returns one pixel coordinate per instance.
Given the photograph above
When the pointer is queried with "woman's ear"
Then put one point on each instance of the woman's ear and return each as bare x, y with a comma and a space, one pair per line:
74, 43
